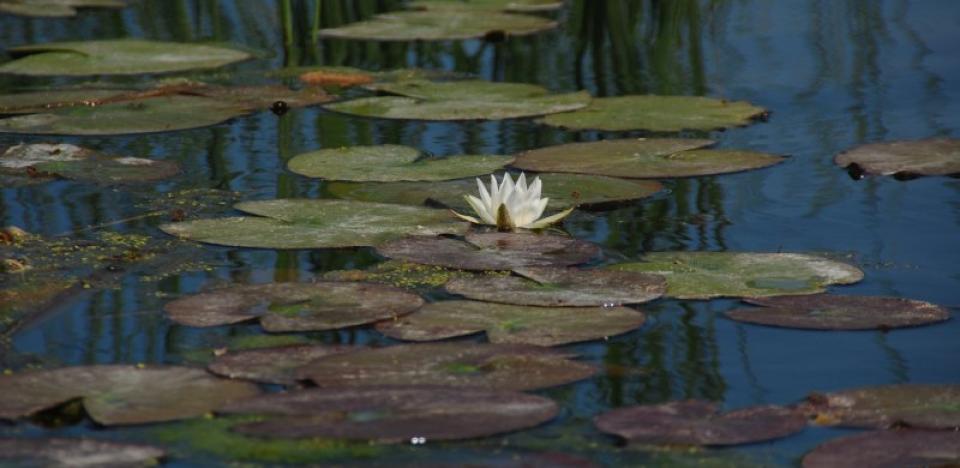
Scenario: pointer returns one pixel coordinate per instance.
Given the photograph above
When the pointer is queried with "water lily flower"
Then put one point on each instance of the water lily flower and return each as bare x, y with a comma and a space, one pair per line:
510, 205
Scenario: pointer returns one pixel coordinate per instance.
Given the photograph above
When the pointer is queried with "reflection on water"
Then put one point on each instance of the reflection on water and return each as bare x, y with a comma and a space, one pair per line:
834, 73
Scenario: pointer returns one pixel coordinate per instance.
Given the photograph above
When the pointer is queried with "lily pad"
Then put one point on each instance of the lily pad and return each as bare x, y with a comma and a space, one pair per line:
562, 287
696, 422
118, 57
913, 405
563, 190
491, 251
439, 26
517, 6
463, 365
657, 113
76, 452
389, 163
643, 158
314, 224
403, 274
393, 414
833, 312
935, 156
888, 449
283, 307
706, 275
54, 8
117, 394
541, 326
271, 365
73, 162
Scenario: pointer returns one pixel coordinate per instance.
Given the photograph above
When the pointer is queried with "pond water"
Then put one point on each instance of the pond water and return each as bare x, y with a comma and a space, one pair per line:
834, 74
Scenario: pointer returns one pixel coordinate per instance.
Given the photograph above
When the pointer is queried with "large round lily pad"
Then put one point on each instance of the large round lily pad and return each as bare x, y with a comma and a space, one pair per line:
271, 365
54, 8
563, 190
705, 275
913, 405
643, 158
73, 162
935, 156
118, 57
491, 251
833, 312
541, 326
76, 453
695, 422
465, 365
313, 224
656, 113
487, 5
393, 413
389, 163
562, 287
439, 26
117, 394
888, 449
282, 307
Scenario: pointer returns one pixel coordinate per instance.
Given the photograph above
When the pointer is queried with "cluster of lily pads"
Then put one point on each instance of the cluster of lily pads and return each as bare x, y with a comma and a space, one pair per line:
526, 292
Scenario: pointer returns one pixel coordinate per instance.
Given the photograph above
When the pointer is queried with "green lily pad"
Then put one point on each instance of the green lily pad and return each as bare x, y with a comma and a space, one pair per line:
117, 394
76, 452
517, 6
439, 26
118, 57
695, 422
491, 251
73, 162
314, 224
643, 158
900, 448
914, 405
393, 414
403, 274
562, 287
706, 275
389, 163
462, 365
656, 113
271, 365
935, 156
563, 190
541, 326
45, 101
283, 307
833, 312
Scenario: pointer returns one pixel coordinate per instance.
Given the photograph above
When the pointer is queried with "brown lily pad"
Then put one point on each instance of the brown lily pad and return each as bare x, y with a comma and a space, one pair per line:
283, 307
491, 251
46, 161
439, 26
275, 365
394, 413
888, 449
76, 453
935, 156
467, 365
118, 394
913, 405
562, 287
696, 422
503, 323
835, 312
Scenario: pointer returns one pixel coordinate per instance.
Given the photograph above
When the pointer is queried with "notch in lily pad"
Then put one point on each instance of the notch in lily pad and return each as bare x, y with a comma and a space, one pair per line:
47, 161
903, 159
921, 406
836, 312
439, 26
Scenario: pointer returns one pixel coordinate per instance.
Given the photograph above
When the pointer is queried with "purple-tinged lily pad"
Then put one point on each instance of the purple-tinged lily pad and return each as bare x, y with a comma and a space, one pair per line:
76, 453
835, 312
275, 365
393, 414
696, 422
503, 323
562, 287
935, 156
491, 251
888, 449
913, 405
117, 394
467, 365
283, 307
43, 160
439, 26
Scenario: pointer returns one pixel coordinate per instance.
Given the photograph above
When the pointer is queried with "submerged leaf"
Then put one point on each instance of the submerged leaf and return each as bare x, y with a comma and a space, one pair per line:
41, 160
935, 156
439, 26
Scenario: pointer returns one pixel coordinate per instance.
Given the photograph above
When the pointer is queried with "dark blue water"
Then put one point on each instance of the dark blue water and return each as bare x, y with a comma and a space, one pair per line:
835, 74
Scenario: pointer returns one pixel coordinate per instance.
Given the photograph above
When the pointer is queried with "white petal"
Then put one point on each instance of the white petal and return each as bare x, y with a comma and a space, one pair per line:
466, 218
484, 195
539, 207
481, 210
522, 182
551, 219
535, 188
